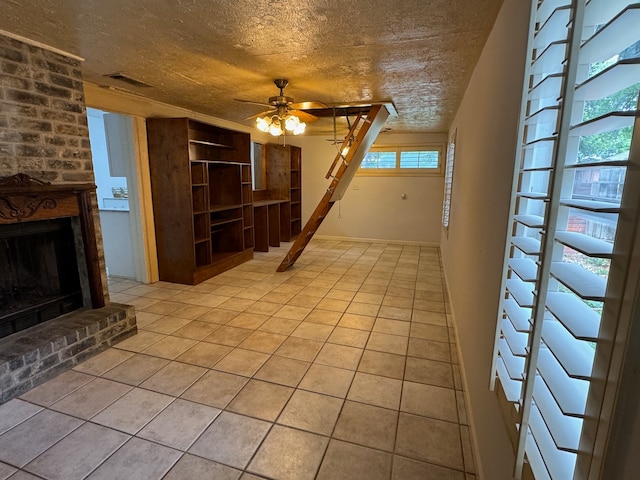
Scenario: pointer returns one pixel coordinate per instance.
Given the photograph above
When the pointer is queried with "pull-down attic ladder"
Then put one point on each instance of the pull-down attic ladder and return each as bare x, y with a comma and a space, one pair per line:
363, 133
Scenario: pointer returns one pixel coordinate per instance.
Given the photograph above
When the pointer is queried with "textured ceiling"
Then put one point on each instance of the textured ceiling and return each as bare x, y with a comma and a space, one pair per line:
201, 54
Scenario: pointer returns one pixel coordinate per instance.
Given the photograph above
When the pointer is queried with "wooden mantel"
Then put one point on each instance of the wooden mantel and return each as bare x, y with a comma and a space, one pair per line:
26, 199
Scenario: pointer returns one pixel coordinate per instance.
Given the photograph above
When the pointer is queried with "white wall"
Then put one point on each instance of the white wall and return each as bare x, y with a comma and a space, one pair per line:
373, 207
486, 124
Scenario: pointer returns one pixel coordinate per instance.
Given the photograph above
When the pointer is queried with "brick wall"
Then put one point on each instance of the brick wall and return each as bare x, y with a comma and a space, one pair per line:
43, 121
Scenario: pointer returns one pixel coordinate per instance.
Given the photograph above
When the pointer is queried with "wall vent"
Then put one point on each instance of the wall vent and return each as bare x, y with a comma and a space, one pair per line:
123, 77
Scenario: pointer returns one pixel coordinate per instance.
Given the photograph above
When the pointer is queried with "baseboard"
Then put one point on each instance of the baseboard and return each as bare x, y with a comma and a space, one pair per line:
376, 240
467, 400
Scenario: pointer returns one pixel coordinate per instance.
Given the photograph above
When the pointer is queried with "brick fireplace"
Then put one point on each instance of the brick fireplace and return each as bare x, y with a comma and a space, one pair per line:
48, 203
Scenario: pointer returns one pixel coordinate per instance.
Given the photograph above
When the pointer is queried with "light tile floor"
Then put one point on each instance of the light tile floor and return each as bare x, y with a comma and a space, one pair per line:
343, 367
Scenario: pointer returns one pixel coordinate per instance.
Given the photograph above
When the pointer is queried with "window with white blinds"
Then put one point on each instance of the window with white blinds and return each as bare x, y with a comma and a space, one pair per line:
574, 205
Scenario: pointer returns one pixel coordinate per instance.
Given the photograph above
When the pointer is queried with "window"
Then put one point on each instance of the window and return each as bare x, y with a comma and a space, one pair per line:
416, 160
563, 288
448, 181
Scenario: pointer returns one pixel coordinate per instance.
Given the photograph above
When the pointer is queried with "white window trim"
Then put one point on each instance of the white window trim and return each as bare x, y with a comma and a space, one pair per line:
406, 172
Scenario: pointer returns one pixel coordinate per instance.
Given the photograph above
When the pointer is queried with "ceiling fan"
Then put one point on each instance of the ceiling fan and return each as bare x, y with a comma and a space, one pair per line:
283, 115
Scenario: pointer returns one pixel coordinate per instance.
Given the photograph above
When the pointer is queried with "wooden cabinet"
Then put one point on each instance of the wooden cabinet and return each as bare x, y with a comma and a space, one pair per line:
283, 167
202, 198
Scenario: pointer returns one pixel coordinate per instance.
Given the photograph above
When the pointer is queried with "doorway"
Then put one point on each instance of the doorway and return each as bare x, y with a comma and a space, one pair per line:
113, 152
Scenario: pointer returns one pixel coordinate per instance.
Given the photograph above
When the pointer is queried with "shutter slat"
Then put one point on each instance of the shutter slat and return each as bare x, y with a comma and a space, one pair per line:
591, 205
615, 36
537, 169
569, 393
564, 430
514, 365
559, 462
536, 462
533, 195
604, 123
525, 268
528, 245
517, 341
512, 388
611, 80
576, 357
587, 285
521, 292
547, 7
550, 61
598, 12
520, 317
540, 143
585, 244
553, 28
531, 221
549, 87
577, 317
544, 115
604, 163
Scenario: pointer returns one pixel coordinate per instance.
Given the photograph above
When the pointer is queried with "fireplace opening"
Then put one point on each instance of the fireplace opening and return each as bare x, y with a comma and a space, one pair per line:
39, 277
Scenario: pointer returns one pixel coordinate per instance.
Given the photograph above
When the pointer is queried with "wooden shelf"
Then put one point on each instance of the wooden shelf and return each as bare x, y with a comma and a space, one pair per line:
283, 180
210, 144
197, 181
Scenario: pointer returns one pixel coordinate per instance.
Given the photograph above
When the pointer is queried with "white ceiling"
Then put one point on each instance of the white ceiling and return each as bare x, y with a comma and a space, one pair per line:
201, 54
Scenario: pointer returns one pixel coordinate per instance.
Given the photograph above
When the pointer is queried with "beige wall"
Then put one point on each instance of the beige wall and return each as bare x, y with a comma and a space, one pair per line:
374, 210
472, 252
373, 207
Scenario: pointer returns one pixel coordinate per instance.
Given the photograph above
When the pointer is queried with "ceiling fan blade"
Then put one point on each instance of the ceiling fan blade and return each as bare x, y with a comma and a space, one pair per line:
307, 105
262, 104
266, 112
304, 116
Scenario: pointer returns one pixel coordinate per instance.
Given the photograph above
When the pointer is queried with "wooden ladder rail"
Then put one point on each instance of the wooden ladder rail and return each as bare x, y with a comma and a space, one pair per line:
358, 140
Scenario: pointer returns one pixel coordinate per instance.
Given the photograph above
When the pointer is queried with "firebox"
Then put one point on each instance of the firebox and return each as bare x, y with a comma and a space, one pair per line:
39, 278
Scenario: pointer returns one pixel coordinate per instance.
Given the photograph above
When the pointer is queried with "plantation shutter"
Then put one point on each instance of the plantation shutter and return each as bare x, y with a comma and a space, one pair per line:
573, 217
448, 181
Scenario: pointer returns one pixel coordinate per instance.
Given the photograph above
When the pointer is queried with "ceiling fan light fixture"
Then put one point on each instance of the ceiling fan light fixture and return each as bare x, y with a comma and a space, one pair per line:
300, 128
275, 128
291, 122
276, 125
294, 125
263, 123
